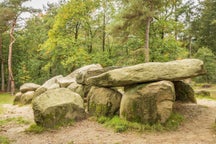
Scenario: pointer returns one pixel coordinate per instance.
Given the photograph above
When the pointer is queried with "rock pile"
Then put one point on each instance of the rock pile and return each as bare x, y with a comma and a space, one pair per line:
142, 93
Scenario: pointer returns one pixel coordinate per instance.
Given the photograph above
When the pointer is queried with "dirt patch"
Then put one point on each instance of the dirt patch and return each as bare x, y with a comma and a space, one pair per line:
196, 129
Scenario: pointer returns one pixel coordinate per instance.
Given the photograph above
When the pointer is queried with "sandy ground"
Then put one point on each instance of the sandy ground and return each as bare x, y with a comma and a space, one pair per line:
196, 129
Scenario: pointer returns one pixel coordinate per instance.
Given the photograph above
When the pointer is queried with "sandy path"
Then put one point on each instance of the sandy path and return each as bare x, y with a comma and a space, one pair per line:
197, 129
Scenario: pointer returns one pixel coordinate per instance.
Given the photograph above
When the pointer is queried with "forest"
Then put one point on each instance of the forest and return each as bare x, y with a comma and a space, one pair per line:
67, 35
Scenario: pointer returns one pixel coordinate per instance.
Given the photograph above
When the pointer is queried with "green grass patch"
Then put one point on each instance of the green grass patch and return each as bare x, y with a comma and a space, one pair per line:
214, 127
35, 129
205, 97
174, 121
17, 120
5, 98
4, 140
121, 125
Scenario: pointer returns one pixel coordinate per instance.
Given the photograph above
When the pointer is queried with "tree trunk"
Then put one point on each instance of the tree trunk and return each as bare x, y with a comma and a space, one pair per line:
146, 48
190, 47
104, 32
90, 44
76, 31
10, 72
2, 66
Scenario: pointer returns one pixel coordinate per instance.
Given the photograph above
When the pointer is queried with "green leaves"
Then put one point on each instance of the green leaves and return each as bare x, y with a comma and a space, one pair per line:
209, 60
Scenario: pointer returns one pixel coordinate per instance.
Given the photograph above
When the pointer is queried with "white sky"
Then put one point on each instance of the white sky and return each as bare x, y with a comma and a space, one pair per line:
39, 3
36, 4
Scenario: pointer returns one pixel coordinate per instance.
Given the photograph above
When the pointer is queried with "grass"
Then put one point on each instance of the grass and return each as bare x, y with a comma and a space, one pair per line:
4, 140
35, 129
5, 98
205, 97
17, 120
120, 125
214, 127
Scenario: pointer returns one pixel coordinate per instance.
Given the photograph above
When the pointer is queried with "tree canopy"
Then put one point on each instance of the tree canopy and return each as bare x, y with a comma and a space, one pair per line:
74, 33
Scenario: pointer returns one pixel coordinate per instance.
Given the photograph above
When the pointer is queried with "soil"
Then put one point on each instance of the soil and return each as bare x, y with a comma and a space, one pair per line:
197, 128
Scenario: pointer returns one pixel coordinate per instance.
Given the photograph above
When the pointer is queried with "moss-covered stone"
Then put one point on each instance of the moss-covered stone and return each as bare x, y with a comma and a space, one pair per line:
184, 92
148, 72
103, 101
148, 103
58, 106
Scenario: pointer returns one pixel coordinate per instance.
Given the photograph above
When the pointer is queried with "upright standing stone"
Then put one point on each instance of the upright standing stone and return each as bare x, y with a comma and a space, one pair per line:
148, 103
103, 101
184, 92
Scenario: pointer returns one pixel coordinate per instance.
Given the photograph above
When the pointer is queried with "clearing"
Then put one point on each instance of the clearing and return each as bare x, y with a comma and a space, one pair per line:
197, 128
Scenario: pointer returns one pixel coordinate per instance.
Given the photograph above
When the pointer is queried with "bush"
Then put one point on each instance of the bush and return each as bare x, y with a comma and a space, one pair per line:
209, 59
121, 125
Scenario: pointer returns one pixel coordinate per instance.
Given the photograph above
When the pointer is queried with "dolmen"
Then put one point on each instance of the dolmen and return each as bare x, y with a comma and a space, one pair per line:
142, 93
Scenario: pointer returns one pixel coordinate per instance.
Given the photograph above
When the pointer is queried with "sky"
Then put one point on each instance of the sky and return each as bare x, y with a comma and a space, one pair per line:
36, 4
39, 3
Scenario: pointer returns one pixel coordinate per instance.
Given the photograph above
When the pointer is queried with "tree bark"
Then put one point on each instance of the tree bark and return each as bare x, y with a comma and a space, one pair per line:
146, 48
10, 72
104, 31
76, 31
2, 66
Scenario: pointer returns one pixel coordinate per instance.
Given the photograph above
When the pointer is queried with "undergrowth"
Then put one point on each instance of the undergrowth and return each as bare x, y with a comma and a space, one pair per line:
35, 129
205, 97
4, 140
121, 125
17, 120
214, 127
5, 98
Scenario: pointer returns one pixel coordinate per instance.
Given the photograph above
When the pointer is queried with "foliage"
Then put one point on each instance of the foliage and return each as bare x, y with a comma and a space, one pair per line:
167, 49
35, 129
121, 125
4, 140
209, 60
76, 33
214, 127
5, 98
174, 121
17, 120
204, 26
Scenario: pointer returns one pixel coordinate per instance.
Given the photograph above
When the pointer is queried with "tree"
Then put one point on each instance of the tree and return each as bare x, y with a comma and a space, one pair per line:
17, 8
204, 25
66, 45
6, 14
209, 60
139, 15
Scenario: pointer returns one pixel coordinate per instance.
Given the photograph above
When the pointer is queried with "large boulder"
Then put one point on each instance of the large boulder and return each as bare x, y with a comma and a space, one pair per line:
77, 88
39, 91
65, 81
52, 83
17, 98
147, 72
148, 103
26, 98
184, 92
82, 76
28, 87
57, 106
103, 101
84, 69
